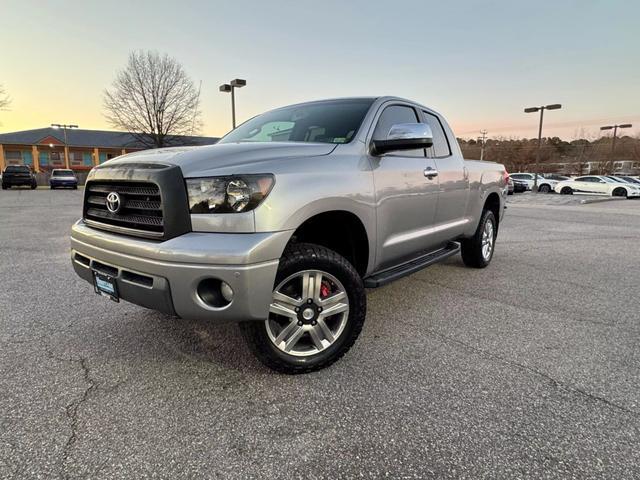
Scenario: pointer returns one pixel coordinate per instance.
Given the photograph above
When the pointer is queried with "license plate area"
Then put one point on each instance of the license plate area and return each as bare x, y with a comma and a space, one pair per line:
106, 286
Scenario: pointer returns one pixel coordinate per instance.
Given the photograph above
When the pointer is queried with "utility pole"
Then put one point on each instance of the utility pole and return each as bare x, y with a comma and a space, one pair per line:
230, 88
482, 140
64, 128
555, 106
613, 140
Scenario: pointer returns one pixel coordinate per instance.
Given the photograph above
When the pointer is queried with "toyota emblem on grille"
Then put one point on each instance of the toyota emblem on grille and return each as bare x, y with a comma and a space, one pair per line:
113, 202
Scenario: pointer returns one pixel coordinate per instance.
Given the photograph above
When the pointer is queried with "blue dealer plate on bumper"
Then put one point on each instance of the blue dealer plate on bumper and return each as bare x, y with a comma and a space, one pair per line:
106, 286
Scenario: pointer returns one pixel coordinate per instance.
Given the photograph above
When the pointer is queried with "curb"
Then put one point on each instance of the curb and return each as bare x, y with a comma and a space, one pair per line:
587, 201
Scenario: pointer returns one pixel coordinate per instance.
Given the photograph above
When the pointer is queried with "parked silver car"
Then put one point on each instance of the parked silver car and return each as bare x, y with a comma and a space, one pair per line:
283, 223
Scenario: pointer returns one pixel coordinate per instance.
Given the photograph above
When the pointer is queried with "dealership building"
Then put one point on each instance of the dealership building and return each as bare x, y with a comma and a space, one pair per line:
44, 149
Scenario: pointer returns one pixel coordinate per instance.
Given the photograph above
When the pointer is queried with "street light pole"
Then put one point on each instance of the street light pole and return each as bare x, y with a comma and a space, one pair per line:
64, 128
613, 140
231, 88
554, 106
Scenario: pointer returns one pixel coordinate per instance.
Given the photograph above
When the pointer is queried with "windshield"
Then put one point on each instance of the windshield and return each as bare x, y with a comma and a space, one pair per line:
615, 179
334, 121
62, 173
17, 169
630, 179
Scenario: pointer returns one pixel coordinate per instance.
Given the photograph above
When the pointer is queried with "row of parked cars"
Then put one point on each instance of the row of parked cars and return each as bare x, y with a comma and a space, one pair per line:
522, 181
611, 185
23, 176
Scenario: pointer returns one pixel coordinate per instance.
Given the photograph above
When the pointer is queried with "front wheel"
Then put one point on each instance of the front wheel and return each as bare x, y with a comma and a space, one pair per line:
566, 191
477, 251
34, 186
317, 311
544, 188
619, 192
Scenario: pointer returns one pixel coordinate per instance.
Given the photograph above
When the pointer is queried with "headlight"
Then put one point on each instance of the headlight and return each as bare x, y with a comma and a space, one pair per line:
233, 194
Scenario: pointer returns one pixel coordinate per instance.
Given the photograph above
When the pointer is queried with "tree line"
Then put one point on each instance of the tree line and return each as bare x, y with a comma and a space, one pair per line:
556, 155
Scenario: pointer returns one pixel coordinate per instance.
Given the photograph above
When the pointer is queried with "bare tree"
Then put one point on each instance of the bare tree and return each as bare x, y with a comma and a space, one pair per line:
154, 100
5, 101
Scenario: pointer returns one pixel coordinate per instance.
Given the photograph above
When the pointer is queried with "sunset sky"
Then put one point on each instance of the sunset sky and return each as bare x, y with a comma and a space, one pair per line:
478, 63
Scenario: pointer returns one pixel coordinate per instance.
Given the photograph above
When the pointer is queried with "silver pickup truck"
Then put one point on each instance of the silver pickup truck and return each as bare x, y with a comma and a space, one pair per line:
282, 224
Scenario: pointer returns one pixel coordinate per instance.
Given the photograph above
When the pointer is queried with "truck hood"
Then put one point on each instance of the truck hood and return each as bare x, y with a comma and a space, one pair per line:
195, 161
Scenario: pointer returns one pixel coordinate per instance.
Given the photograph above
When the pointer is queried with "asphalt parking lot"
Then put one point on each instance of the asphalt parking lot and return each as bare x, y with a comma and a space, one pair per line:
527, 369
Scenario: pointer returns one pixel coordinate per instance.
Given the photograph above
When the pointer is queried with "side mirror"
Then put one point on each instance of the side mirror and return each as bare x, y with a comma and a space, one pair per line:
404, 136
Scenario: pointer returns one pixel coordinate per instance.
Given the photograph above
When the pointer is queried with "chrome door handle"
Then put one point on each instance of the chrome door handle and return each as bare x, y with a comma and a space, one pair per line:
430, 173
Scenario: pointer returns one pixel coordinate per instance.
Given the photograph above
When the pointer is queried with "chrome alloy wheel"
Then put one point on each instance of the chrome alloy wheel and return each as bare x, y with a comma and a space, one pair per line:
487, 240
308, 313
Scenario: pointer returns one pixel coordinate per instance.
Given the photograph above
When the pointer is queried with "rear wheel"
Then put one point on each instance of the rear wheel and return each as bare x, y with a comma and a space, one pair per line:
477, 251
619, 192
566, 191
317, 312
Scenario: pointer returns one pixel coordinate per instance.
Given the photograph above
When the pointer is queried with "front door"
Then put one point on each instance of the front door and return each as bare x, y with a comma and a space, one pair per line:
406, 198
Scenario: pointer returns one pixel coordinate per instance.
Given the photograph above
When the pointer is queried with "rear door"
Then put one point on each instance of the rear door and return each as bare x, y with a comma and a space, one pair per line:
453, 181
406, 198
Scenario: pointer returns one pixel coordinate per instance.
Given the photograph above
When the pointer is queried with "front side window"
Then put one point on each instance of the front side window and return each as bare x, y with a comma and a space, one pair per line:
394, 115
440, 147
322, 122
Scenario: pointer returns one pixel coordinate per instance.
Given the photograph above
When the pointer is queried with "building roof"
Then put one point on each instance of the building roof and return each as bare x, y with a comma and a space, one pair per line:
78, 137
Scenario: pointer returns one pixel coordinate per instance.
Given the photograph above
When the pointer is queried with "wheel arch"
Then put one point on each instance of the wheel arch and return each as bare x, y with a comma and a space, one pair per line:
341, 231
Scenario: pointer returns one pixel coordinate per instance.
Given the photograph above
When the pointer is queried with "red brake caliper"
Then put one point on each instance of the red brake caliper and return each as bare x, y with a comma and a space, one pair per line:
325, 289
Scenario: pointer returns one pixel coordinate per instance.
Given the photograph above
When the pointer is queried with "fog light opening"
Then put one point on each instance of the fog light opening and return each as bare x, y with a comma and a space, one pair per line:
227, 291
215, 293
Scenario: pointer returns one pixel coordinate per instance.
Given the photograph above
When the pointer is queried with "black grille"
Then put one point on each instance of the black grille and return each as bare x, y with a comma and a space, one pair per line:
140, 211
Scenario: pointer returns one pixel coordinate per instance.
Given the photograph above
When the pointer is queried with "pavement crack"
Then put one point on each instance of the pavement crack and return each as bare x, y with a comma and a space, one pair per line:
546, 376
72, 411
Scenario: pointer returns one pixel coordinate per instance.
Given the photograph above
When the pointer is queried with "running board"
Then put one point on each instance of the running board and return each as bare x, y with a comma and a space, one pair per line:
388, 276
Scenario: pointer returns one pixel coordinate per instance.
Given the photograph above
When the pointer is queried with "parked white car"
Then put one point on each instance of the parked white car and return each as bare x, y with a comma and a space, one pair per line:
545, 185
598, 185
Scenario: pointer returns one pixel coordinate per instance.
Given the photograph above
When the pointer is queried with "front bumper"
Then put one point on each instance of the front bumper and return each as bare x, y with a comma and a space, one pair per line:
63, 183
165, 275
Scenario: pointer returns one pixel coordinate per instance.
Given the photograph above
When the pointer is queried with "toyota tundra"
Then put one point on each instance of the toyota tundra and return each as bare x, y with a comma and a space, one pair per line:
283, 224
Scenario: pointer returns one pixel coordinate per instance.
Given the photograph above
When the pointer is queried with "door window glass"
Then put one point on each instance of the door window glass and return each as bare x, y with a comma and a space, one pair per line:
440, 146
394, 115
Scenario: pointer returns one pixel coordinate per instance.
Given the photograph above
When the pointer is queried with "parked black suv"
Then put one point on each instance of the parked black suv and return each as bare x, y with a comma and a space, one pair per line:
16, 175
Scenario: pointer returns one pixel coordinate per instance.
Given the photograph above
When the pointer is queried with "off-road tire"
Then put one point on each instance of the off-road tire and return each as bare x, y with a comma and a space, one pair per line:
305, 256
472, 247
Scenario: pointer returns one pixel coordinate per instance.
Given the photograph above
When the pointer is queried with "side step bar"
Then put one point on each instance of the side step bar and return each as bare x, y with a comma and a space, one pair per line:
388, 276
